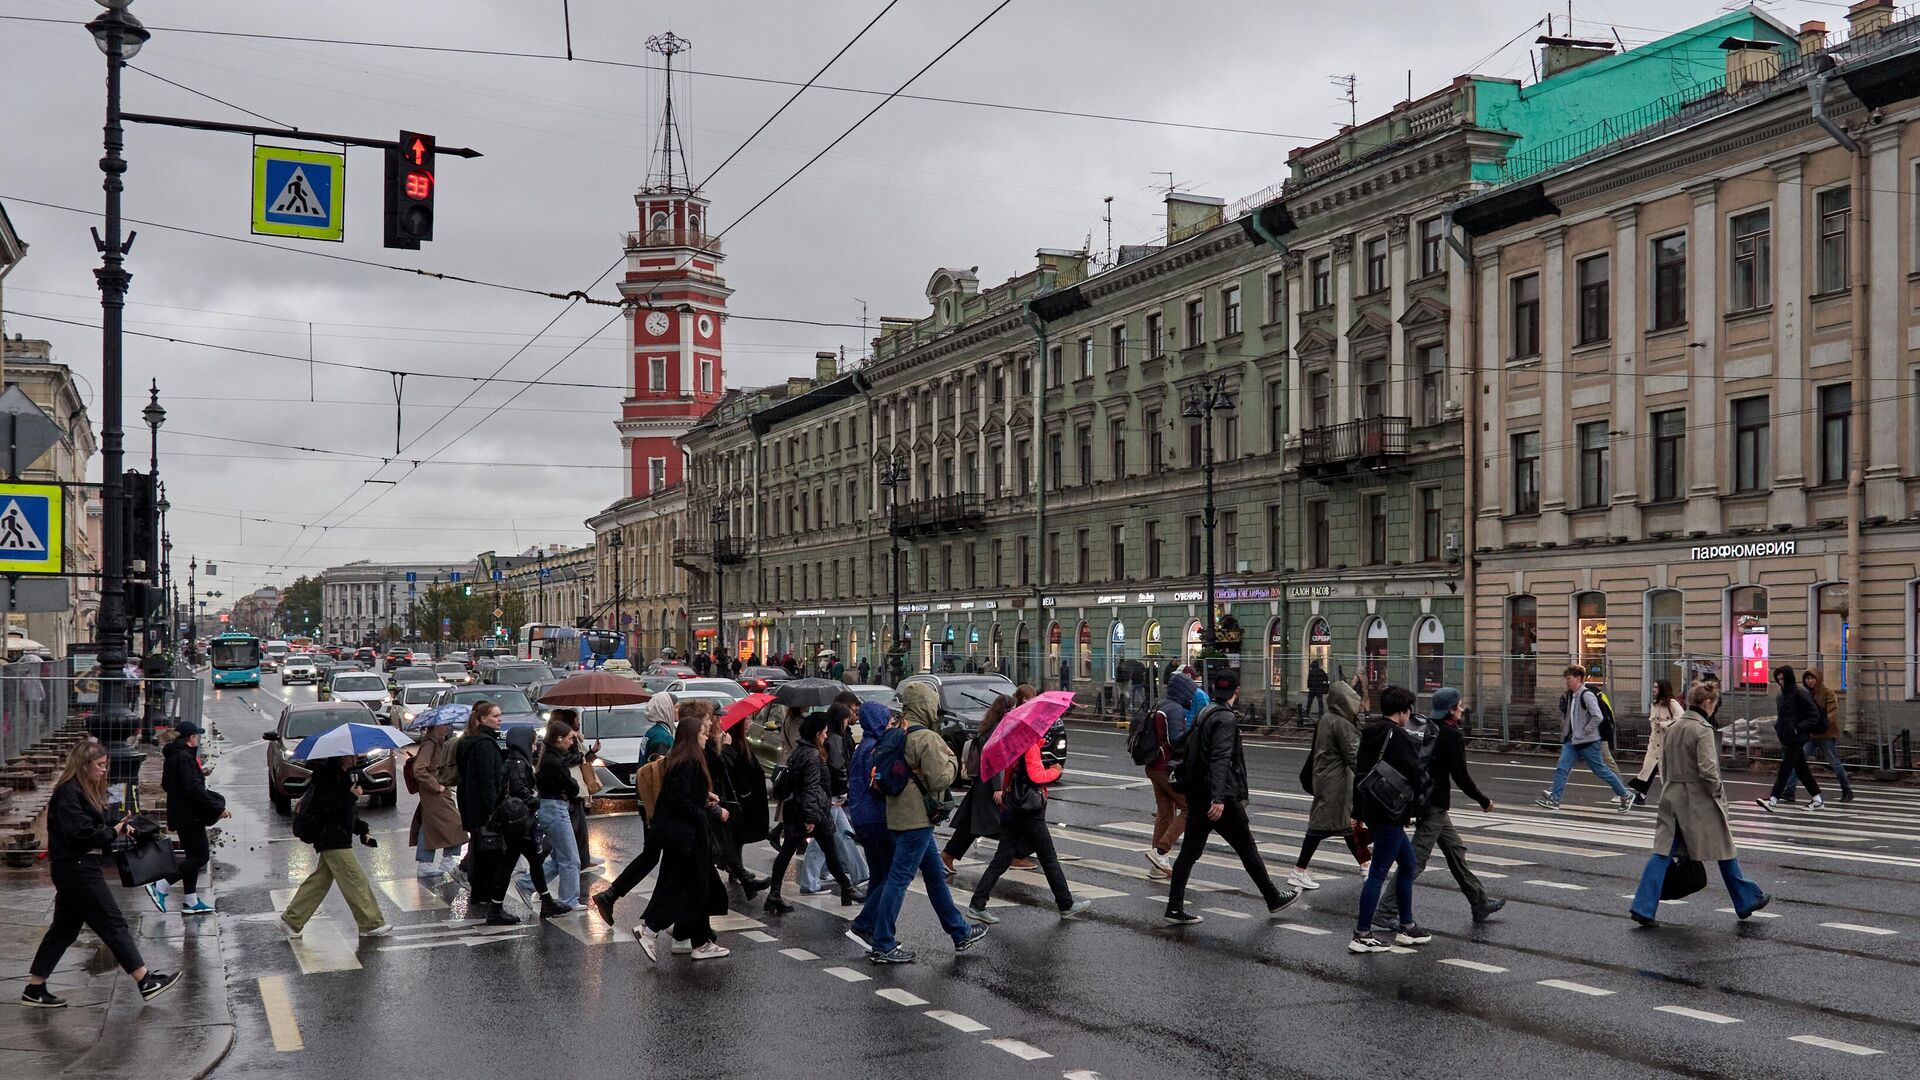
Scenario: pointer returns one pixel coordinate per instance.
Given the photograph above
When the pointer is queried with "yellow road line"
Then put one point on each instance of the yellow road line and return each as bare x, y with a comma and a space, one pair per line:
280, 1021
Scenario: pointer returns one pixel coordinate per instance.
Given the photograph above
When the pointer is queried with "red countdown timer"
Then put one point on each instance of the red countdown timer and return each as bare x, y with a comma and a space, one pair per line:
419, 184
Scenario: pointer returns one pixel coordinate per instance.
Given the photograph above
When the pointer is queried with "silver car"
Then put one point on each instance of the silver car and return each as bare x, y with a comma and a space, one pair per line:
362, 688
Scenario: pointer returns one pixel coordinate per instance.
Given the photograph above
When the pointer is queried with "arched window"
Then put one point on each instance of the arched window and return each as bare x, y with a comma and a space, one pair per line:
1196, 637
1523, 648
1116, 649
1276, 653
1590, 634
1375, 644
693, 224
1833, 632
1023, 655
1429, 655
1084, 669
659, 222
1150, 640
1319, 647
1748, 642
1665, 641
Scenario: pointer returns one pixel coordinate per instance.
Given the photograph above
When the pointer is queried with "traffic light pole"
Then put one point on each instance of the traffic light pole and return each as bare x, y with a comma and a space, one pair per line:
284, 133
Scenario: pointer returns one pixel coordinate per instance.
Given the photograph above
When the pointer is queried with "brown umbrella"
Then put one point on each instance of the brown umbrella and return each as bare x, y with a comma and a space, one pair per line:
592, 689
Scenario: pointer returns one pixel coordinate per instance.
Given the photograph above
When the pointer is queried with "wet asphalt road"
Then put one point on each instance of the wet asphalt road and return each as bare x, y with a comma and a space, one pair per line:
1561, 984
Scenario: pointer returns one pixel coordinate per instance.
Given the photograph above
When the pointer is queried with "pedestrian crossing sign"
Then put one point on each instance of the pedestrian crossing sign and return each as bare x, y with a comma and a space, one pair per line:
299, 193
31, 530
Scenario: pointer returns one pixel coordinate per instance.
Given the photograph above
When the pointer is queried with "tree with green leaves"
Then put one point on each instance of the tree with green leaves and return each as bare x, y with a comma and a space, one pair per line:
300, 606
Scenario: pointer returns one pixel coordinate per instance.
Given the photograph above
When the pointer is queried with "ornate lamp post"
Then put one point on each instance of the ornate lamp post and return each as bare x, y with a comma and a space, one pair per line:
1206, 399
718, 519
892, 476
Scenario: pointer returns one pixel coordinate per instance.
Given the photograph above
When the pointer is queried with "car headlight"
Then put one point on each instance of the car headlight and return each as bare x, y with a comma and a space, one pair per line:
381, 754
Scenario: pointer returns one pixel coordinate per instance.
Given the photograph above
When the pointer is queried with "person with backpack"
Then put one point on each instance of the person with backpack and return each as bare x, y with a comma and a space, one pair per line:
436, 818
329, 819
1336, 742
1213, 774
914, 768
1444, 749
1583, 712
688, 893
1693, 822
806, 813
1797, 721
517, 818
1021, 798
1392, 788
646, 782
660, 725
1826, 741
1154, 742
191, 807
867, 810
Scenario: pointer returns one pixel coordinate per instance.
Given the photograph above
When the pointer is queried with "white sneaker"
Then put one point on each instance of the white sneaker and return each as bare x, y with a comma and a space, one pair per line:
1158, 861
647, 943
1818, 803
450, 863
1300, 879
1768, 804
712, 950
428, 870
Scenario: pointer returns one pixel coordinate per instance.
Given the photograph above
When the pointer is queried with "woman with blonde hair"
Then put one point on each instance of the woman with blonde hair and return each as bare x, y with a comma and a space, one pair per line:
79, 834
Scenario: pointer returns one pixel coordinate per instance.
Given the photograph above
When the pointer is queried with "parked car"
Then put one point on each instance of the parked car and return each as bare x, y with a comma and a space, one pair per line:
453, 672
964, 701
299, 668
516, 709
671, 667
363, 688
517, 673
287, 779
411, 700
412, 673
885, 695
733, 690
763, 680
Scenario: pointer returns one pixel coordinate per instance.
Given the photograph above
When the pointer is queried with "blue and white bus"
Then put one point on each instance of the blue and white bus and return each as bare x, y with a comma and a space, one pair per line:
235, 659
566, 646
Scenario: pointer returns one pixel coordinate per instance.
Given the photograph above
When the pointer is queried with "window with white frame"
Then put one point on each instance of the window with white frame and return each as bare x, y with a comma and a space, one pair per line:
1750, 282
1834, 208
656, 373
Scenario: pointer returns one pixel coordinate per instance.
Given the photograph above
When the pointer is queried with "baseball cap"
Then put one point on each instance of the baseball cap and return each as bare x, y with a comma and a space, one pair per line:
187, 727
1444, 699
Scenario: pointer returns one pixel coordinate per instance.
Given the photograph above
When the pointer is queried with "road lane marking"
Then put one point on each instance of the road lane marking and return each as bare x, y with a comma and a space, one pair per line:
1300, 928
1023, 1051
900, 997
1578, 988
1835, 1044
1228, 912
408, 894
760, 936
1474, 965
280, 1020
955, 1020
1858, 929
322, 947
1559, 885
728, 922
1081, 1074
1753, 915
798, 954
593, 931
1080, 890
847, 974
1696, 1014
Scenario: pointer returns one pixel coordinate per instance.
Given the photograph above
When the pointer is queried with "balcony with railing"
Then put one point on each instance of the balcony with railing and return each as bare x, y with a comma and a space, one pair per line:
942, 513
1377, 442
731, 550
673, 237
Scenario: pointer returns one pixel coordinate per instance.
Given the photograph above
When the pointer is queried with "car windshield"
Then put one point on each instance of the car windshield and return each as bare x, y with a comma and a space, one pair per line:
299, 658
313, 721
973, 697
509, 700
657, 683
234, 655
764, 673
882, 694
718, 686
416, 674
618, 722
354, 683
521, 674
450, 668
420, 694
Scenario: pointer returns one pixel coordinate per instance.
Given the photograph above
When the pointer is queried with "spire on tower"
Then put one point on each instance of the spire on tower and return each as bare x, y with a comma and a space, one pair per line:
667, 171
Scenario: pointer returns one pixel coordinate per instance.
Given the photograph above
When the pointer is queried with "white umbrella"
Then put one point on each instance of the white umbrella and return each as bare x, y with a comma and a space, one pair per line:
18, 642
350, 740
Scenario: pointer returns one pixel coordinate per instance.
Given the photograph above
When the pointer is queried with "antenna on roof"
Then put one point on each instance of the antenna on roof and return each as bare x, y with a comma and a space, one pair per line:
1350, 83
1109, 230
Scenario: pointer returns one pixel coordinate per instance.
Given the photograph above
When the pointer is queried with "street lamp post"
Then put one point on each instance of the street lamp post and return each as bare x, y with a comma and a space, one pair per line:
166, 569
193, 621
119, 36
718, 518
1208, 398
154, 415
616, 542
892, 475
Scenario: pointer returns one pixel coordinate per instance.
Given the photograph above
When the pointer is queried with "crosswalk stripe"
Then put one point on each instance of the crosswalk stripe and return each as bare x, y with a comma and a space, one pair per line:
1696, 1014
847, 974
280, 1019
760, 936
322, 947
1558, 885
1302, 928
1578, 988
408, 894
1228, 912
1473, 965
1023, 1051
798, 954
955, 1020
1835, 1044
1754, 915
1858, 929
593, 931
1080, 891
900, 997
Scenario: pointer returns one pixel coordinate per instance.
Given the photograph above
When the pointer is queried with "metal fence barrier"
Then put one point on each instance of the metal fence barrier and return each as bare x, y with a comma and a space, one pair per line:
39, 699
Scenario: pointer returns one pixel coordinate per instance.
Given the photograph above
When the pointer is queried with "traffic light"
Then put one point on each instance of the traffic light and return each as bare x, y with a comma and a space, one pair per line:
143, 523
410, 191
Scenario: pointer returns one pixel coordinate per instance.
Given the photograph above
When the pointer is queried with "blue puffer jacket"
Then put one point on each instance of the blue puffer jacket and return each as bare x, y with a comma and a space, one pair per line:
863, 806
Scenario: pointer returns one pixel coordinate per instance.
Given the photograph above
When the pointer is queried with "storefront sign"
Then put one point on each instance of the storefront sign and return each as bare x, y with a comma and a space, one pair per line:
913, 607
1257, 592
1758, 549
1110, 599
1309, 592
1046, 601
944, 606
806, 612
1188, 596
979, 605
1146, 598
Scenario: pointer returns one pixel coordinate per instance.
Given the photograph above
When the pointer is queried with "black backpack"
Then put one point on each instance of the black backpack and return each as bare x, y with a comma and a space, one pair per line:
1143, 741
306, 824
513, 816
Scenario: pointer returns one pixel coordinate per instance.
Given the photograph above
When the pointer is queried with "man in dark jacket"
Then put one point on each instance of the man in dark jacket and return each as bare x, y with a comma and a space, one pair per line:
1215, 777
1317, 686
329, 819
1797, 720
483, 775
1446, 752
1386, 743
191, 807
1169, 806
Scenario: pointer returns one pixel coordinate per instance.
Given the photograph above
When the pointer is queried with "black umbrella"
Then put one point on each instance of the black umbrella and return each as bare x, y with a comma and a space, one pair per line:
802, 694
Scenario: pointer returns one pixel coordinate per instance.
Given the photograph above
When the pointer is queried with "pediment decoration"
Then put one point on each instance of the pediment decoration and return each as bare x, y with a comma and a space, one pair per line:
1369, 325
1314, 341
1425, 311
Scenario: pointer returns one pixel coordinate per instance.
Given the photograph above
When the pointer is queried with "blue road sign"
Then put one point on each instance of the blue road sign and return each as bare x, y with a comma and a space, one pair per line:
32, 534
298, 193
454, 577
497, 575
545, 574
412, 577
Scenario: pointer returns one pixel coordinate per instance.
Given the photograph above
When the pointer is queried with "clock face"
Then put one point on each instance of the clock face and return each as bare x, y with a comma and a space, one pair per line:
657, 324
706, 326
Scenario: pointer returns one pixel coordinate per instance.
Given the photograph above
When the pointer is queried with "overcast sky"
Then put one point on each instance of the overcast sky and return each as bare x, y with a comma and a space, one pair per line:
921, 185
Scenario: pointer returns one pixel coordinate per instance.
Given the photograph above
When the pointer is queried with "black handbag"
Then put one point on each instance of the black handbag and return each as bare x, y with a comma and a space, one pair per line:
1686, 875
489, 841
144, 858
1391, 793
1306, 774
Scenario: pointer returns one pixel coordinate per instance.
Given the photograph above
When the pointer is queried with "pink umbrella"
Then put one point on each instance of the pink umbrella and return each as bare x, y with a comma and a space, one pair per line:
1021, 729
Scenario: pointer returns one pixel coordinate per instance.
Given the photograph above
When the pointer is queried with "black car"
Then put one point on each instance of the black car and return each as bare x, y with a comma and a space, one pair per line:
964, 701
763, 680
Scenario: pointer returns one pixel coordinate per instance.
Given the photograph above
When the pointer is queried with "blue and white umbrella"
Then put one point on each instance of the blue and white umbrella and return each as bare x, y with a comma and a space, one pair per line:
452, 713
349, 740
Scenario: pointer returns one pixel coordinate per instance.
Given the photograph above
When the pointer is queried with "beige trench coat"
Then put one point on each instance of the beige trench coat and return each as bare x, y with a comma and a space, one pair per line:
1661, 717
1692, 803
438, 816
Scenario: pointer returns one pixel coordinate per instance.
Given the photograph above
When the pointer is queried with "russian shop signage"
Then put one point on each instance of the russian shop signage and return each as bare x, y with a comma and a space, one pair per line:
1759, 549
1309, 592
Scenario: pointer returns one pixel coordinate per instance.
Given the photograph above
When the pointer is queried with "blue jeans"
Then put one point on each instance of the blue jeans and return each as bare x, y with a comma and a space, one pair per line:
914, 852
424, 854
1391, 849
1646, 899
815, 863
1589, 753
563, 855
1830, 749
877, 841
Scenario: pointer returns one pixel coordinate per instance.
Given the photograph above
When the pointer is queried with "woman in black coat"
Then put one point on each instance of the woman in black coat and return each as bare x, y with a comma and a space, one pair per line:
727, 841
688, 892
977, 815
79, 833
807, 813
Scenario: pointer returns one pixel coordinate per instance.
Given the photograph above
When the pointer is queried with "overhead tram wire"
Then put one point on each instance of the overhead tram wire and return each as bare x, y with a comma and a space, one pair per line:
210, 97
721, 75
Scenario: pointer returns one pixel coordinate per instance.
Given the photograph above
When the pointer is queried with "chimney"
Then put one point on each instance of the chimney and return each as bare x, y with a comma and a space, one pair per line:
1750, 61
826, 367
1812, 37
1564, 54
1869, 17
1190, 215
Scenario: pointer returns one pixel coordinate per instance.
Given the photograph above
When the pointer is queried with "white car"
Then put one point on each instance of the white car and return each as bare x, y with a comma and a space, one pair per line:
622, 733
453, 672
731, 689
362, 688
299, 667
413, 699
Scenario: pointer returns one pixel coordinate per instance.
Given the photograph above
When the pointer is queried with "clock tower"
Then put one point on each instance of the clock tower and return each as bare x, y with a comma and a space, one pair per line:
677, 304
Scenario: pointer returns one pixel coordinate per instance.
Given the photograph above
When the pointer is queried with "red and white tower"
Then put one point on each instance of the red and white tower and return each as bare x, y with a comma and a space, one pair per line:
677, 306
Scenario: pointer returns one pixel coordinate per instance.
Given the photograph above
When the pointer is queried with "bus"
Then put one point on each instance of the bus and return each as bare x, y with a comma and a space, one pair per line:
236, 659
564, 645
